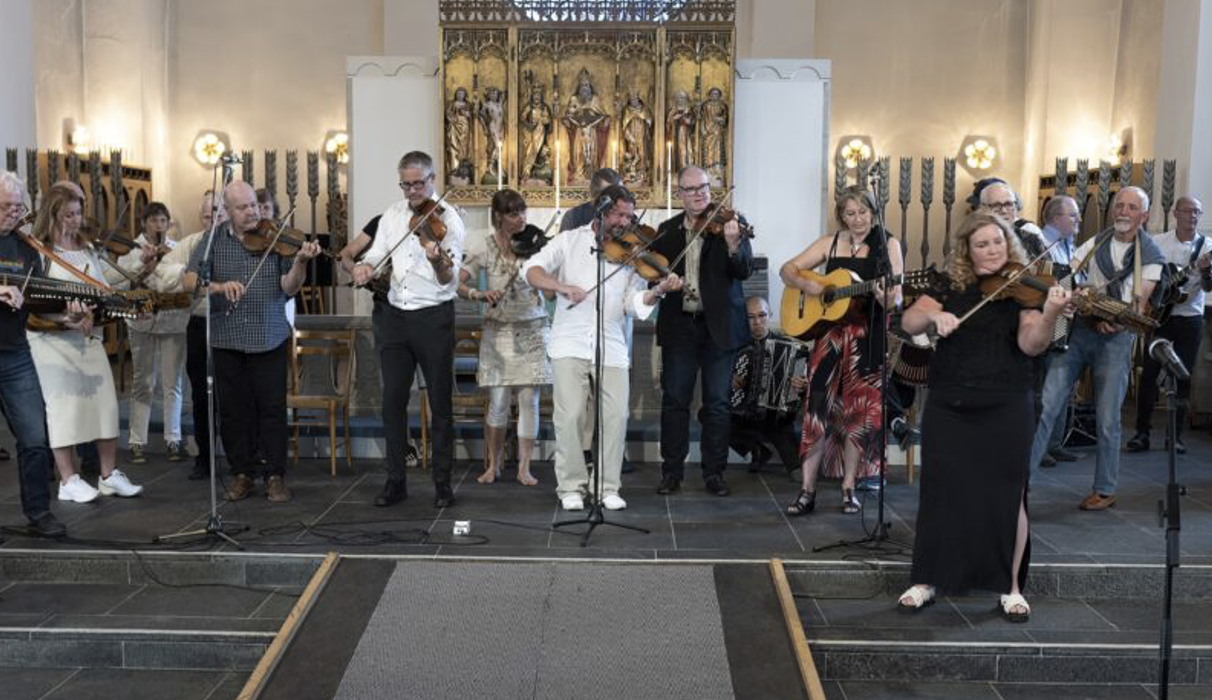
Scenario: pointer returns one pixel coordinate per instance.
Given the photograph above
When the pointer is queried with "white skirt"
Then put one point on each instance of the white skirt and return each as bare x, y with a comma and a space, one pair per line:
77, 386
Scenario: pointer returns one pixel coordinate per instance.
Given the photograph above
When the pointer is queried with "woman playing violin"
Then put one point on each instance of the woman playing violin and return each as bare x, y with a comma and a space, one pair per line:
699, 330
155, 339
843, 418
77, 383
513, 349
972, 528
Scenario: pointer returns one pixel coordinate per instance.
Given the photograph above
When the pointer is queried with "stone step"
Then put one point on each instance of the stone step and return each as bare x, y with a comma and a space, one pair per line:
118, 648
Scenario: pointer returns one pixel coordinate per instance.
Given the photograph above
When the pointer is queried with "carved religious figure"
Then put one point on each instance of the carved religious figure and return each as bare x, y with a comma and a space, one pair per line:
536, 125
681, 122
637, 140
492, 115
713, 126
588, 125
458, 138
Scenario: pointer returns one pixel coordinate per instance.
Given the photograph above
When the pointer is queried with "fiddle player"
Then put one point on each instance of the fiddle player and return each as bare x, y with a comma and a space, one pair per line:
1107, 348
972, 527
513, 348
415, 325
699, 330
755, 435
250, 341
567, 266
843, 419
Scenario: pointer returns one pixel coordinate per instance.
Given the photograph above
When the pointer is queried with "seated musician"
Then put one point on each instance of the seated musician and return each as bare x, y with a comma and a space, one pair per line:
754, 433
843, 419
1104, 346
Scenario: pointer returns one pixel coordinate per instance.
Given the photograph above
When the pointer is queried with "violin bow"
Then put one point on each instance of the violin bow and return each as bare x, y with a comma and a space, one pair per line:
391, 251
264, 256
702, 227
1009, 281
514, 277
639, 250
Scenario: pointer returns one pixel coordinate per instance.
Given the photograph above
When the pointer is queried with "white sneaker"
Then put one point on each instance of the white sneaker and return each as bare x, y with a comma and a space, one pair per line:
613, 501
76, 489
118, 485
572, 501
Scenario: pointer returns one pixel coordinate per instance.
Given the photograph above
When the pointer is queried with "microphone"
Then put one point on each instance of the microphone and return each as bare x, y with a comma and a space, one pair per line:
603, 203
229, 158
1162, 352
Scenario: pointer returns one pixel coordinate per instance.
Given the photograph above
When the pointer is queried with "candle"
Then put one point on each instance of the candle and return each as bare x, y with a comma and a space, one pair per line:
500, 157
614, 154
557, 174
669, 179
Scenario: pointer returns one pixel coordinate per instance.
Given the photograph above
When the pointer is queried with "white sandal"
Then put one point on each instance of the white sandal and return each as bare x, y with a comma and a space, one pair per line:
918, 596
1010, 602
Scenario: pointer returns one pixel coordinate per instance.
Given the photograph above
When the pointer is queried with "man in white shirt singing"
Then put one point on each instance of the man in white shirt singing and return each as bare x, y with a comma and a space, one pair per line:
568, 266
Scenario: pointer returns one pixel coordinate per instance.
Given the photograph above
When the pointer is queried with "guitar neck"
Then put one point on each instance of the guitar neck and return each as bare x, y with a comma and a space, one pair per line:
860, 288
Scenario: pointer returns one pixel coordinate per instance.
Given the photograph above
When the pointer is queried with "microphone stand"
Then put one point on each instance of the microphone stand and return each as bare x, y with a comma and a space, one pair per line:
1169, 516
878, 539
214, 529
596, 514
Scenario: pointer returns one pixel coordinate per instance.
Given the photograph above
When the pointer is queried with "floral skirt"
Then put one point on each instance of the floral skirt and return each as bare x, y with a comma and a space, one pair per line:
844, 403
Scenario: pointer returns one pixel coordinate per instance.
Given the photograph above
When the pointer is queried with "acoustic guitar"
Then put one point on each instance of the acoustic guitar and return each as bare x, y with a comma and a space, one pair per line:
805, 315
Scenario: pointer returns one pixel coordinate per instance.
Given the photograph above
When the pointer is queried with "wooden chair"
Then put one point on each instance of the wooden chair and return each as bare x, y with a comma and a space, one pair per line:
338, 347
465, 406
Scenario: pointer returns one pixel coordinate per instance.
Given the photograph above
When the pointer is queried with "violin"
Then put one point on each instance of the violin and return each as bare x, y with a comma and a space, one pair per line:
113, 242
718, 215
631, 248
528, 241
1030, 291
287, 243
427, 223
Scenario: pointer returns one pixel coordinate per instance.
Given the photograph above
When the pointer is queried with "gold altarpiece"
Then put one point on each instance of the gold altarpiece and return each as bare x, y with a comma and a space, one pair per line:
540, 94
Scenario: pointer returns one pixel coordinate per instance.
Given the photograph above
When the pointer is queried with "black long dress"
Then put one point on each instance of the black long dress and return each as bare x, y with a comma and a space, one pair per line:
976, 445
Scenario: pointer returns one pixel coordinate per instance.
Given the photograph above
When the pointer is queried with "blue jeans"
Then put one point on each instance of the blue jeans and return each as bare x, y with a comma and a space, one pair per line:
1110, 356
23, 407
682, 363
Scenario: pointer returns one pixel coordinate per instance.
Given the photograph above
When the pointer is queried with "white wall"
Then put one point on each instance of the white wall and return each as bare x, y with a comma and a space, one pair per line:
17, 122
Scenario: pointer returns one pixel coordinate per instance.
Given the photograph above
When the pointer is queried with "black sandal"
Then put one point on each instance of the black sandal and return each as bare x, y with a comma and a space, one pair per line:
803, 504
850, 504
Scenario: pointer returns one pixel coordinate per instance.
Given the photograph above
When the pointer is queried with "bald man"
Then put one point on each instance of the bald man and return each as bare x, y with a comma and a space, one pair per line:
249, 336
1187, 249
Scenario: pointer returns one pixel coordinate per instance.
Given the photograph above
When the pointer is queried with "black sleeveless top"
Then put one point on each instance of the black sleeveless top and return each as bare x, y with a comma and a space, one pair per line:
983, 352
871, 348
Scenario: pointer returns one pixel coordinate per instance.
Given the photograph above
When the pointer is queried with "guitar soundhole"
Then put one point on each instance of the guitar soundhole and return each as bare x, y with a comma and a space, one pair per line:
827, 296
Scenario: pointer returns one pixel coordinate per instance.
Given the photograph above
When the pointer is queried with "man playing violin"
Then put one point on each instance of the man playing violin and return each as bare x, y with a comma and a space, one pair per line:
566, 266
1111, 266
699, 330
20, 390
249, 334
415, 325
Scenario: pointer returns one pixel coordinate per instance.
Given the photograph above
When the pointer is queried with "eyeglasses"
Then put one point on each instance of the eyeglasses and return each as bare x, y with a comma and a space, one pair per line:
13, 206
407, 185
695, 189
1000, 206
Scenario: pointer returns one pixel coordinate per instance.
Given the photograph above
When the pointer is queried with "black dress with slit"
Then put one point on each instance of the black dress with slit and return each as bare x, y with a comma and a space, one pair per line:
977, 430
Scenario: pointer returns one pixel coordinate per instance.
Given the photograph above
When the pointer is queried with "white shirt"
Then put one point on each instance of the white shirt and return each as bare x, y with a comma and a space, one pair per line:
163, 322
414, 283
169, 274
570, 258
1179, 253
1094, 274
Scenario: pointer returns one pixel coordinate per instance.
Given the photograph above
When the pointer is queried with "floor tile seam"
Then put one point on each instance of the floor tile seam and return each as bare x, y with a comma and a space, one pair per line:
60, 684
128, 598
171, 617
959, 612
783, 514
264, 601
993, 684
331, 506
136, 632
218, 684
1099, 615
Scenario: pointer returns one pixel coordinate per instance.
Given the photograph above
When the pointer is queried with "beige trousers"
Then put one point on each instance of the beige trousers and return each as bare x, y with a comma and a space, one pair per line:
572, 381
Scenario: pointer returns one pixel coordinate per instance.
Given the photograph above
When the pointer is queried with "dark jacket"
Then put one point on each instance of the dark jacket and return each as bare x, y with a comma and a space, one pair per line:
720, 275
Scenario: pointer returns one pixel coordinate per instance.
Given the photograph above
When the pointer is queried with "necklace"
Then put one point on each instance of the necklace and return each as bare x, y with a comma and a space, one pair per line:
856, 246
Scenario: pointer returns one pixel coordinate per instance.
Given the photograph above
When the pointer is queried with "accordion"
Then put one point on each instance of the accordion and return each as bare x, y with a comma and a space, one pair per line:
761, 378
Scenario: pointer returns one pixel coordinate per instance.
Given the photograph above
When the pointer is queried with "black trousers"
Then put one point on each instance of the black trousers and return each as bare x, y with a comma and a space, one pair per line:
1184, 332
683, 360
251, 390
195, 369
406, 340
746, 435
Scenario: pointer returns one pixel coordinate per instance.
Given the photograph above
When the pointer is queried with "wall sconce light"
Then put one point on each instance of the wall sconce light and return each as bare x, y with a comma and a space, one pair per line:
209, 147
1118, 147
854, 150
980, 154
338, 142
79, 139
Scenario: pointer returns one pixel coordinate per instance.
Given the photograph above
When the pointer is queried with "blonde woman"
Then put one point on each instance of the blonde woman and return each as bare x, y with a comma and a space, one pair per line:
77, 383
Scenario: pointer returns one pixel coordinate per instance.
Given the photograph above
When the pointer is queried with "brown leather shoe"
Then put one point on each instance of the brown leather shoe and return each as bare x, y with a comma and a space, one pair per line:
240, 488
1097, 501
276, 491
